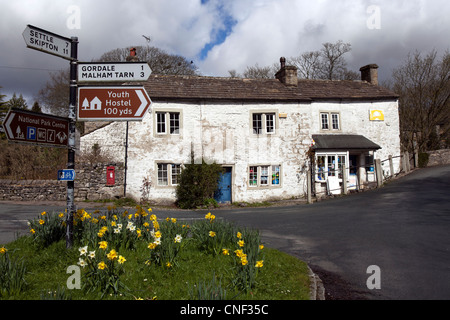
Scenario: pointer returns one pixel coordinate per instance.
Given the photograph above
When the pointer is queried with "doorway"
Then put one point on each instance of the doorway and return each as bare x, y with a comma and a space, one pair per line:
223, 192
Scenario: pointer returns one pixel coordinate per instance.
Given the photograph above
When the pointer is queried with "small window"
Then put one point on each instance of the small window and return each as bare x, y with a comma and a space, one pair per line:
162, 174
270, 123
257, 123
324, 121
176, 171
253, 177
161, 122
259, 176
330, 120
264, 176
275, 175
174, 122
335, 121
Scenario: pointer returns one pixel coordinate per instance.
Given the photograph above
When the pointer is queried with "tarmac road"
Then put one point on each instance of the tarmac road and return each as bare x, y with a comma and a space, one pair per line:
402, 228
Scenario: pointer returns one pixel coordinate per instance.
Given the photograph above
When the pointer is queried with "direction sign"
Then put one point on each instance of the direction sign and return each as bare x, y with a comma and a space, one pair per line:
113, 71
48, 42
36, 128
66, 175
112, 103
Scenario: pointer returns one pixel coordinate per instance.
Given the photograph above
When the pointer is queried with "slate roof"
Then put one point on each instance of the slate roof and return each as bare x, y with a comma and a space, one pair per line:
170, 87
343, 141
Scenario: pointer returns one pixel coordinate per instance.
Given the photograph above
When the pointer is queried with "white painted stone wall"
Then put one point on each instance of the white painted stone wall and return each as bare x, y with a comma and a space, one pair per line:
222, 132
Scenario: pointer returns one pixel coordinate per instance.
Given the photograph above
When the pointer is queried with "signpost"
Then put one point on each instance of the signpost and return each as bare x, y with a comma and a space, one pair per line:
95, 103
47, 42
112, 103
36, 128
66, 48
113, 71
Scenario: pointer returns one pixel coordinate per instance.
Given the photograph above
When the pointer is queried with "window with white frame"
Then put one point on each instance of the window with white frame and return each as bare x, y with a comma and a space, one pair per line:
168, 174
264, 123
326, 117
168, 122
330, 164
264, 176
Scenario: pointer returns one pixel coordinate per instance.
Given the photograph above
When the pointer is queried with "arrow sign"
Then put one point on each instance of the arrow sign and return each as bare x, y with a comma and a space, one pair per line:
112, 103
47, 42
36, 128
117, 71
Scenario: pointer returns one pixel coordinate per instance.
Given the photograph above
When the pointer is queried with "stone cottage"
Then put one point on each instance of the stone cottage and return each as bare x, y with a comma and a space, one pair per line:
264, 132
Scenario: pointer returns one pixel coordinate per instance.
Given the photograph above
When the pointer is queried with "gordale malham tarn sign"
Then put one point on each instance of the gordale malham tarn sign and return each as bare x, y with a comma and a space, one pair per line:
45, 41
113, 71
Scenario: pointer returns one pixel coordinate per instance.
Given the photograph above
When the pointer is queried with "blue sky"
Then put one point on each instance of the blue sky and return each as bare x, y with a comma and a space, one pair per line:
220, 35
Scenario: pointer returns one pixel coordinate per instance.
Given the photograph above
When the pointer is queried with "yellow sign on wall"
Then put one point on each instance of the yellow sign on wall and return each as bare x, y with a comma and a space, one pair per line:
376, 115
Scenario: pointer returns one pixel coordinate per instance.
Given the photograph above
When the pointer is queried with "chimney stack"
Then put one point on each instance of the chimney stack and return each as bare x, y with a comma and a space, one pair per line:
132, 56
369, 73
287, 74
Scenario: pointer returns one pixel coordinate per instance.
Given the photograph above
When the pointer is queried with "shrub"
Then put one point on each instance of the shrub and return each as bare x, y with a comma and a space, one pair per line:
423, 159
197, 184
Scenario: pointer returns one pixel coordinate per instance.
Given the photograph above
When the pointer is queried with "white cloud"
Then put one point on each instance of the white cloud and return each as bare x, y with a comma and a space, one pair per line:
239, 33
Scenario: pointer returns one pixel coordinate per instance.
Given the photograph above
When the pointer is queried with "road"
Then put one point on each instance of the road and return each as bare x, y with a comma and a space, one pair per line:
403, 228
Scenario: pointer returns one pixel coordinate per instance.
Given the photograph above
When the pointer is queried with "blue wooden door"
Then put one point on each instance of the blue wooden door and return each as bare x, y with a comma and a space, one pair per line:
223, 193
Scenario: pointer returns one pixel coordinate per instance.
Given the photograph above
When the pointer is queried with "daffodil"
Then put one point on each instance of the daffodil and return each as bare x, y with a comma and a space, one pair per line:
152, 217
3, 250
103, 245
83, 250
244, 261
178, 238
122, 259
239, 235
91, 254
101, 265
259, 264
41, 221
82, 263
152, 246
225, 252
158, 234
112, 255
261, 247
32, 231
241, 243
174, 220
43, 213
168, 265
212, 234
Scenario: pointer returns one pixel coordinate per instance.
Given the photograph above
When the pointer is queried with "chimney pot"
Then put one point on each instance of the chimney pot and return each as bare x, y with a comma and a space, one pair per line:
369, 73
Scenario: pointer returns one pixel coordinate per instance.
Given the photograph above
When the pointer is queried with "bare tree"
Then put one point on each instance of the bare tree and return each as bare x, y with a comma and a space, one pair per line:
423, 83
308, 64
159, 61
54, 96
327, 63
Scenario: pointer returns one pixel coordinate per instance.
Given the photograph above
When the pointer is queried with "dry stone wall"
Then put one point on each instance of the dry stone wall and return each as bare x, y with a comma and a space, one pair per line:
90, 184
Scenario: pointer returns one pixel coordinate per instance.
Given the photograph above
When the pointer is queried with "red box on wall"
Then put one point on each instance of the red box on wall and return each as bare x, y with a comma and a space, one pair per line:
110, 176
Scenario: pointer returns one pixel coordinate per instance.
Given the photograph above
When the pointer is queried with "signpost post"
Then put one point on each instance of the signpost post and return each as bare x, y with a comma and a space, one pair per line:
112, 103
66, 48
